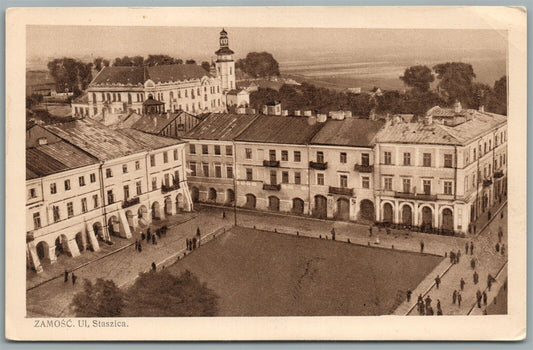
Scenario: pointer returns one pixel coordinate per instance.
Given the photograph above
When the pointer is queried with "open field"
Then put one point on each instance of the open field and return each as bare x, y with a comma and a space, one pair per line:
258, 273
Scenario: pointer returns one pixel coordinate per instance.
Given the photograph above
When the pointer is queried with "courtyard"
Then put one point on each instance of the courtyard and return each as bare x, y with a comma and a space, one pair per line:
261, 273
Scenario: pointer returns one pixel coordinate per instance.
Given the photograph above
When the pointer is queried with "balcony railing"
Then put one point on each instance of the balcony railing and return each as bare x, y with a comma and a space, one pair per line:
270, 187
271, 163
343, 191
318, 165
498, 174
487, 182
130, 202
363, 168
166, 189
416, 196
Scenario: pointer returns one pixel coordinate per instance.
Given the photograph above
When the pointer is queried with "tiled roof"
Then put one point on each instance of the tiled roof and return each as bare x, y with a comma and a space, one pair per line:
139, 75
276, 129
221, 126
104, 143
437, 133
348, 132
56, 157
155, 123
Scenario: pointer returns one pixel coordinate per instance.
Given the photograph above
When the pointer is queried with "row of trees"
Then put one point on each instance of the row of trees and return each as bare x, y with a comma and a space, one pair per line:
455, 82
258, 65
151, 60
154, 294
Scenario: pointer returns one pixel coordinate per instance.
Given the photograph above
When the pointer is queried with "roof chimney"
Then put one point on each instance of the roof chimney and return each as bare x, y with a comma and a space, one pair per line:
284, 112
297, 113
482, 109
321, 118
308, 113
428, 119
457, 107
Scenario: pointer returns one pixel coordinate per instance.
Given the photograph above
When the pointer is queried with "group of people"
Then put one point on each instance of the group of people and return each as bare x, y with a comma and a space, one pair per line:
73, 277
150, 237
193, 243
424, 306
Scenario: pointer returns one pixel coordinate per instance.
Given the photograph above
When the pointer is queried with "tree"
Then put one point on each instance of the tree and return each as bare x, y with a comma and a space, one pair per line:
498, 100
190, 61
101, 299
418, 77
455, 81
259, 64
390, 102
206, 66
70, 74
160, 60
163, 294
100, 63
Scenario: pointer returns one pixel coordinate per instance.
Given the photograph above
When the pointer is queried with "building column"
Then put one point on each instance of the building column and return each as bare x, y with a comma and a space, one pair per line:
33, 257
52, 254
377, 208
436, 216
92, 240
124, 226
72, 246
396, 212
415, 214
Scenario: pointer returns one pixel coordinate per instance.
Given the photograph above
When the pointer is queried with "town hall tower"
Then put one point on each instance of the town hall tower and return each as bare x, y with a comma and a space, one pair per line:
225, 64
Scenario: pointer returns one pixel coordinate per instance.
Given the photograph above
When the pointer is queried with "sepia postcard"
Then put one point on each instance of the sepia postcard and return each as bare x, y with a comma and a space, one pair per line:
266, 173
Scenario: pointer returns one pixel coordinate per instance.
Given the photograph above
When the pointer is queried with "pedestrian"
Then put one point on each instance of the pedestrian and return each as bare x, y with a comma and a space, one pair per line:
158, 233
153, 239
476, 277
140, 247
66, 276
429, 311
370, 231
497, 247
462, 283
420, 300
473, 263
437, 281
500, 233
502, 250
439, 311
198, 231
223, 214
466, 248
428, 301
194, 243
471, 248
148, 236
422, 309
186, 243
438, 304
409, 295
501, 215
489, 283
143, 236
459, 298
74, 278
333, 234
484, 298
421, 246
136, 244
154, 267
489, 215
454, 296
458, 255
452, 258
475, 227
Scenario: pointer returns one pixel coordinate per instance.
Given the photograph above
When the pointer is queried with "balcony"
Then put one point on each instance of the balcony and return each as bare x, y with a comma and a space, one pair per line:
270, 187
498, 174
487, 182
130, 202
416, 196
271, 163
343, 191
318, 165
170, 188
363, 168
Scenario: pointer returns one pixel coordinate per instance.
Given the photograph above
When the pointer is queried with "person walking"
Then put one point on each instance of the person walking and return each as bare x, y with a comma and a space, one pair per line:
473, 263
429, 311
471, 248
484, 298
153, 240
136, 244
154, 267
198, 231
421, 246
478, 298
437, 281
66, 276
466, 248
459, 299
454, 296
409, 295
500, 234
502, 250
462, 283
148, 236
452, 257
476, 277
370, 230
143, 236
489, 215
74, 278
458, 255
422, 309
333, 234
223, 214
497, 247
194, 243
428, 301
439, 311
438, 304
140, 248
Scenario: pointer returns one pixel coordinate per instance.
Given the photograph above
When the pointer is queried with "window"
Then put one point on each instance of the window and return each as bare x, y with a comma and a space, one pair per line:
110, 198
92, 178
165, 157
248, 152
229, 150
137, 165
273, 177
320, 179
387, 158
406, 185
84, 205
249, 174
448, 160
218, 170
124, 168
272, 154
427, 186
205, 168
175, 154
192, 149
406, 158
343, 157
108, 173
297, 156
126, 192
217, 150
474, 156
366, 182
55, 210
81, 180
205, 149
285, 156
70, 209
503, 157
33, 193
473, 180
365, 159
447, 187
176, 179
229, 172
387, 183
152, 160
53, 188
490, 145
427, 159
320, 157
95, 201
167, 180
154, 183
343, 179
36, 221
297, 178
67, 185
192, 166
485, 147
285, 177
